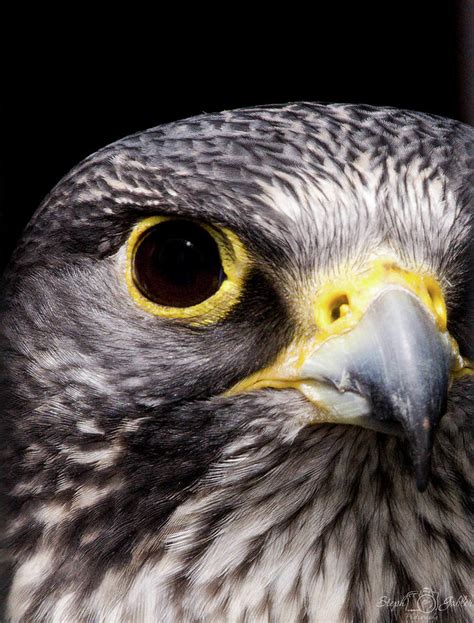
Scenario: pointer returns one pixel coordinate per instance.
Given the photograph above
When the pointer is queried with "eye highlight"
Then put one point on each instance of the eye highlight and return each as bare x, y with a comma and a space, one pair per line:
179, 268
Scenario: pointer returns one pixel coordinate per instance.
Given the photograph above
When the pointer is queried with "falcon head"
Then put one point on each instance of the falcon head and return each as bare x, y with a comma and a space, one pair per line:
234, 349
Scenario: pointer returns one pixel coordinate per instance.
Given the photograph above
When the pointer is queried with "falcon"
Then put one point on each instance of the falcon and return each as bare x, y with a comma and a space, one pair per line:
237, 379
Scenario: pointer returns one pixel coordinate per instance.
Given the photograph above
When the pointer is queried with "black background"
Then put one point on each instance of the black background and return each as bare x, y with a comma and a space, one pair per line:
61, 108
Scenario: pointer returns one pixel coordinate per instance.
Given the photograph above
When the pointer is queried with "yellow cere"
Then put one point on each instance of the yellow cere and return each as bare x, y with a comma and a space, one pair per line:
235, 262
337, 307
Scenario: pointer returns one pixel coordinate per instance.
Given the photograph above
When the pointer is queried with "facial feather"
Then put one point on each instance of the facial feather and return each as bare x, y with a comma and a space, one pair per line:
135, 488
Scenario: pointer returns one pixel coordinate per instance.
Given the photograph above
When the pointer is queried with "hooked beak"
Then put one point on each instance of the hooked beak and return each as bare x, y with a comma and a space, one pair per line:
383, 361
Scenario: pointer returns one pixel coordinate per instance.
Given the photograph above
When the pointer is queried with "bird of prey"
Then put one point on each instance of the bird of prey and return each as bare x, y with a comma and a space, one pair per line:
236, 375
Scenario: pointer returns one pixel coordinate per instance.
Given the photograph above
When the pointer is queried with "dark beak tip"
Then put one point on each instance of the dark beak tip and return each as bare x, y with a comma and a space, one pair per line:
422, 470
420, 433
422, 482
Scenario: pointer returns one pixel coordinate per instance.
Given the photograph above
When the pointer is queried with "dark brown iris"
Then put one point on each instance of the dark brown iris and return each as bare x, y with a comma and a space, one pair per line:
177, 264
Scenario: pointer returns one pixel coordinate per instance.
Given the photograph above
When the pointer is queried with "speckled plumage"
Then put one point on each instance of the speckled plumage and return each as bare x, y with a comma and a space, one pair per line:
136, 490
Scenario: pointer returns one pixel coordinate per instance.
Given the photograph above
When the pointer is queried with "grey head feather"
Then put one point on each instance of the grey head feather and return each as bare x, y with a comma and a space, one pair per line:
135, 490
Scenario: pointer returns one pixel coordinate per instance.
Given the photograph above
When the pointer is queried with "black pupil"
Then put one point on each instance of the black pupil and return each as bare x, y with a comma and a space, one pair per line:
177, 264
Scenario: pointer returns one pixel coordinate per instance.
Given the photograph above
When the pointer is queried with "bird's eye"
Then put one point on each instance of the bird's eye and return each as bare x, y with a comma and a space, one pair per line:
177, 264
183, 269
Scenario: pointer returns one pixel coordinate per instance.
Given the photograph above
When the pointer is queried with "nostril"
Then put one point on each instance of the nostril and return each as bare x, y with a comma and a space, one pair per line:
432, 294
339, 307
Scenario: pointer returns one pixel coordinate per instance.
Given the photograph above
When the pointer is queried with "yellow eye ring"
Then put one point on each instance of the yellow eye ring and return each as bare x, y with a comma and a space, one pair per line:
234, 260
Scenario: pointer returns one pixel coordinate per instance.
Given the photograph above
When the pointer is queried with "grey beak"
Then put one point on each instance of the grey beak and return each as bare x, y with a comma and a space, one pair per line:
398, 360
